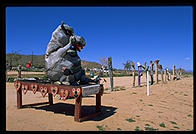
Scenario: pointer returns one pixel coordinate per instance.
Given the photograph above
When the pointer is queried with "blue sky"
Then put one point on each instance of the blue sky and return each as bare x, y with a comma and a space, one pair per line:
126, 33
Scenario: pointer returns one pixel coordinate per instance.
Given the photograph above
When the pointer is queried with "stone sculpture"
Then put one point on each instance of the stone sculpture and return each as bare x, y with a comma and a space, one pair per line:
62, 62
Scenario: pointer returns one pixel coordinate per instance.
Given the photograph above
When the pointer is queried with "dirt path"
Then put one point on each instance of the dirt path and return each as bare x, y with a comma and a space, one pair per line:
169, 105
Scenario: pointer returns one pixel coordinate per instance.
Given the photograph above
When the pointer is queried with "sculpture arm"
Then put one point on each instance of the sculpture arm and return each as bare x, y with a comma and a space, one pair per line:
63, 50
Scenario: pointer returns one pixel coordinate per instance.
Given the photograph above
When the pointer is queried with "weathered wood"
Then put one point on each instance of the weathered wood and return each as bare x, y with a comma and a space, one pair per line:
19, 98
133, 72
98, 102
50, 98
110, 72
161, 70
151, 72
71, 90
78, 108
174, 73
165, 75
156, 70
19, 71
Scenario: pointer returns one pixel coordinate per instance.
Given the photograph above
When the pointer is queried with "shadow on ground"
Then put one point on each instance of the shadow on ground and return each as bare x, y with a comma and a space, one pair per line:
68, 109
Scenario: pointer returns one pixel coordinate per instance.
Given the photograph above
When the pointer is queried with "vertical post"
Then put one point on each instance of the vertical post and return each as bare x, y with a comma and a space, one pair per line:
98, 102
133, 72
50, 98
133, 78
139, 75
165, 74
147, 83
174, 72
156, 70
151, 71
180, 72
78, 108
161, 69
19, 71
169, 76
19, 98
110, 73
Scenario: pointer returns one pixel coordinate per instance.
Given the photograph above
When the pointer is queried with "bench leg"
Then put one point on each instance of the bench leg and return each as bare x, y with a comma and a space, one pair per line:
19, 99
78, 109
98, 102
50, 98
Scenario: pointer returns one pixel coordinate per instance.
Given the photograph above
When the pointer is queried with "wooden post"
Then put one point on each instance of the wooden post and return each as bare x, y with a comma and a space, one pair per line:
165, 74
19, 71
19, 98
133, 72
151, 71
147, 84
156, 70
98, 102
174, 73
110, 72
50, 98
161, 69
78, 108
180, 72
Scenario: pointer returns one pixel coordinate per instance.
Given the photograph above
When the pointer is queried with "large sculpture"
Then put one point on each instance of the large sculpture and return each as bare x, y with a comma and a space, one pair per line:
62, 61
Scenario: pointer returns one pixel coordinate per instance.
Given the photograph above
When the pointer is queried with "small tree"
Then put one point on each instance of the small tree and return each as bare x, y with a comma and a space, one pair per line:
127, 65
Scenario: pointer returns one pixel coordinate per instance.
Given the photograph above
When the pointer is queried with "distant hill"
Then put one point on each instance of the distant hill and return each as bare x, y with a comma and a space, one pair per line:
38, 61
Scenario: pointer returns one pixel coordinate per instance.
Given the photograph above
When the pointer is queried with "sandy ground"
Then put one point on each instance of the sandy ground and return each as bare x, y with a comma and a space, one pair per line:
169, 105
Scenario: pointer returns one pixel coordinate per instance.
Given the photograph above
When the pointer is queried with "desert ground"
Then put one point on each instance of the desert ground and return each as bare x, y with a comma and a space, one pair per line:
168, 108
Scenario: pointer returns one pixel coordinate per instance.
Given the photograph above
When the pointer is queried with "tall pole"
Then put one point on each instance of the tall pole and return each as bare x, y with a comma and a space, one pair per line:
147, 83
161, 69
151, 71
110, 73
133, 72
174, 72
156, 70
165, 75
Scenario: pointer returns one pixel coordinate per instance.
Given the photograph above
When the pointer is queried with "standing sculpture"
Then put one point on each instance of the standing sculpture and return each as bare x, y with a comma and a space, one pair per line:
62, 61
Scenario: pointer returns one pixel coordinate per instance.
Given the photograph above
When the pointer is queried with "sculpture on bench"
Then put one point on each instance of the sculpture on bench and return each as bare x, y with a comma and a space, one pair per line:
62, 61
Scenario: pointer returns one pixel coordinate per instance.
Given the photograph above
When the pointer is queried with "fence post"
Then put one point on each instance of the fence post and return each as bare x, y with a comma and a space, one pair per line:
174, 72
133, 72
151, 71
156, 70
147, 83
19, 71
161, 69
165, 74
110, 73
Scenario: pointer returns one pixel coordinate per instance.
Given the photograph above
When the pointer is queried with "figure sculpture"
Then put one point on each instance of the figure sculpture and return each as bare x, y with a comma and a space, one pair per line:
62, 62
